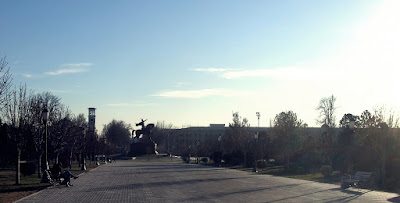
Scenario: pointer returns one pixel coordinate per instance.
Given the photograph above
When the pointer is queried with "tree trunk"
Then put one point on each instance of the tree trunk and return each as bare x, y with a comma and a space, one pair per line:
39, 168
18, 171
287, 159
78, 158
244, 158
57, 155
383, 171
70, 160
83, 165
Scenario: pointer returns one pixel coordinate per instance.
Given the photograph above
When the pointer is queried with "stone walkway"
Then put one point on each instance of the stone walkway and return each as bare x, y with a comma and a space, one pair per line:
142, 181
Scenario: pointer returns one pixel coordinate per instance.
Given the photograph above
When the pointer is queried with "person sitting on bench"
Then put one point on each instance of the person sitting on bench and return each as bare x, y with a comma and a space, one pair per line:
67, 178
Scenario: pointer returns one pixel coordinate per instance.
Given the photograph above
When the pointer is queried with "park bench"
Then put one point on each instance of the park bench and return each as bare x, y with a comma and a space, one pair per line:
360, 179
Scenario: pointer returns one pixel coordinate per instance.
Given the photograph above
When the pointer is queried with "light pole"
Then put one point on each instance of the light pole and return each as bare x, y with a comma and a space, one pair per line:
190, 149
45, 114
352, 123
256, 140
218, 154
219, 141
197, 152
255, 156
83, 166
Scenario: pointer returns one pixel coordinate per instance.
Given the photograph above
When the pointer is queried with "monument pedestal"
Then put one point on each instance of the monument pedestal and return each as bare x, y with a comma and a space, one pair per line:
142, 142
140, 148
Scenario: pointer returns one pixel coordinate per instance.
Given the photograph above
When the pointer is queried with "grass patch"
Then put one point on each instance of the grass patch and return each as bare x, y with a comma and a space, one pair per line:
158, 158
10, 192
335, 178
241, 168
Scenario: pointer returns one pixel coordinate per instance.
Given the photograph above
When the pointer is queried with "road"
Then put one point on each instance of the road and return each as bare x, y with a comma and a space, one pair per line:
151, 181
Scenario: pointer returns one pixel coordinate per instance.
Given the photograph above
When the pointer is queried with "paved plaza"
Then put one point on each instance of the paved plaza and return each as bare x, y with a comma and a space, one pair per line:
142, 181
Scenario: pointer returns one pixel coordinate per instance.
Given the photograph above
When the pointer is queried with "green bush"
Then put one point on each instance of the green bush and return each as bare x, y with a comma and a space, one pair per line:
291, 168
261, 164
204, 160
326, 170
185, 159
28, 168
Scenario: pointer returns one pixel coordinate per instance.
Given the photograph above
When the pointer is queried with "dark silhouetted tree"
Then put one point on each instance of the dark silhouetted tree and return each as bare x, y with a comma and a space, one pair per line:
118, 133
16, 117
238, 137
160, 134
286, 134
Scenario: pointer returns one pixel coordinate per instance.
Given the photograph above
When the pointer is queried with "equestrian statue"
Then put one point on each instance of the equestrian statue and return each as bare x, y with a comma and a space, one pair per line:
145, 131
142, 142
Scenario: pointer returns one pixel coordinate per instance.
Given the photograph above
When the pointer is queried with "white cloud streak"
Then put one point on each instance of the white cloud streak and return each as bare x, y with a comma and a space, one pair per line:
77, 65
66, 71
128, 104
180, 84
211, 69
70, 68
27, 75
290, 73
195, 94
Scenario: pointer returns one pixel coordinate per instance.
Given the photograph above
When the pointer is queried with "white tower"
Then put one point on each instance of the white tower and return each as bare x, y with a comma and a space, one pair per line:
92, 119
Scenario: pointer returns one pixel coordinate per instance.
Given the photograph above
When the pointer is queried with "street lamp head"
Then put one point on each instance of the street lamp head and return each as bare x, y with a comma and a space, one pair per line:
256, 136
83, 130
45, 114
352, 123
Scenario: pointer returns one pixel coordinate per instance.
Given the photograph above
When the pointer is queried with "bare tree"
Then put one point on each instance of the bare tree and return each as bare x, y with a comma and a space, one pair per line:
380, 135
76, 140
384, 138
5, 81
366, 119
118, 133
382, 114
326, 110
238, 136
327, 119
161, 135
16, 116
37, 103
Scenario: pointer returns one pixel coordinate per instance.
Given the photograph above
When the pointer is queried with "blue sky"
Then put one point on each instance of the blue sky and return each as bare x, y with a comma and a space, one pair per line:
191, 63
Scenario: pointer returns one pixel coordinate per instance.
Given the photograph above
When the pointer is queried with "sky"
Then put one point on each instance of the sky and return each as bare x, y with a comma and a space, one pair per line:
192, 63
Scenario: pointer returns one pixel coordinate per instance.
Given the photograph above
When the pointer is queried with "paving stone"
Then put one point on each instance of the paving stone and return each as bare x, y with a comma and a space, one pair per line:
141, 181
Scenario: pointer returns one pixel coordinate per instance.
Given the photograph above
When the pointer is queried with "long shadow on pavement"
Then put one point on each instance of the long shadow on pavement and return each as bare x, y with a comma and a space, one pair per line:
164, 183
348, 198
223, 194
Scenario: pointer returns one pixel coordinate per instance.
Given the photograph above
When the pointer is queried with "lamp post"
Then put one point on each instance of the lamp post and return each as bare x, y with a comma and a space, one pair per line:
83, 165
197, 151
255, 161
220, 143
218, 154
352, 123
190, 149
258, 117
45, 114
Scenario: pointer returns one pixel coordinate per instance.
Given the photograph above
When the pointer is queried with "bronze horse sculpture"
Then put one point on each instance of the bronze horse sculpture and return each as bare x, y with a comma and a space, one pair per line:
144, 131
